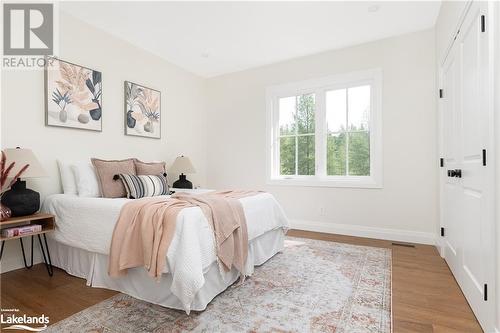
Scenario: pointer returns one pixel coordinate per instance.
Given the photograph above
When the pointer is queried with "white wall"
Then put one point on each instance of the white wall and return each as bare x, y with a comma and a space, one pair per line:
497, 152
406, 208
183, 123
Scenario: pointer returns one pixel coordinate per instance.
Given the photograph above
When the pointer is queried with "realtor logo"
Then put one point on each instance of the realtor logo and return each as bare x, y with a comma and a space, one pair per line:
28, 29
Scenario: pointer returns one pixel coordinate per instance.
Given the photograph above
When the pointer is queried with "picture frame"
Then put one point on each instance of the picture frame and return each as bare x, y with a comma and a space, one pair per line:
73, 95
142, 111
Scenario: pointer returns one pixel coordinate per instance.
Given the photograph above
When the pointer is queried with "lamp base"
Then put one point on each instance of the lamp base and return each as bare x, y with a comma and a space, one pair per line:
21, 200
182, 182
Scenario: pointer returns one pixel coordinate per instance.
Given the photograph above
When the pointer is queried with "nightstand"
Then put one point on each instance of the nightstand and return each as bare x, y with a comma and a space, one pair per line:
47, 221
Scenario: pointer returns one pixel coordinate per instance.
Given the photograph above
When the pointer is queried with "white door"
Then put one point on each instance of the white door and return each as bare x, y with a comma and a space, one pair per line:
468, 218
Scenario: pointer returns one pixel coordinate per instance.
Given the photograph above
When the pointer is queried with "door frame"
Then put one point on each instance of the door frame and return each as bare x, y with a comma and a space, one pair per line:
490, 189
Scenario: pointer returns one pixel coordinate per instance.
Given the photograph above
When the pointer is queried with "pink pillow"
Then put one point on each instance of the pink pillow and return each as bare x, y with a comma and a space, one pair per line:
106, 170
151, 168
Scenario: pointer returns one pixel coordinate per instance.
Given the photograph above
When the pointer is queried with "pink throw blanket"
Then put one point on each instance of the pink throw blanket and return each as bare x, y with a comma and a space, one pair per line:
146, 227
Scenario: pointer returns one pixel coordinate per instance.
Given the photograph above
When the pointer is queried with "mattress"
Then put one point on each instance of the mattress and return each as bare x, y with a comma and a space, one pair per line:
88, 224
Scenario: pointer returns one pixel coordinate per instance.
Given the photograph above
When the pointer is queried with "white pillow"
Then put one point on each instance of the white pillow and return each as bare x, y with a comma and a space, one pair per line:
86, 180
67, 177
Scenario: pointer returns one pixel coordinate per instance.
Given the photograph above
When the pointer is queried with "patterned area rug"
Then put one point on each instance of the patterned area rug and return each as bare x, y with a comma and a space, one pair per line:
313, 286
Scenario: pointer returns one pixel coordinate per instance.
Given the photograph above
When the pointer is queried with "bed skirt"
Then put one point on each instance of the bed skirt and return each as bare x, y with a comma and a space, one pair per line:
137, 283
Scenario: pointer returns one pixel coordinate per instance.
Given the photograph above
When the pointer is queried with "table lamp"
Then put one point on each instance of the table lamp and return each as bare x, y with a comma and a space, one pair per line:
182, 164
19, 199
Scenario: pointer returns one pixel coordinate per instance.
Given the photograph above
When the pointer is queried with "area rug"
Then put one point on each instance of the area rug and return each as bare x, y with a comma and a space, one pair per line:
312, 286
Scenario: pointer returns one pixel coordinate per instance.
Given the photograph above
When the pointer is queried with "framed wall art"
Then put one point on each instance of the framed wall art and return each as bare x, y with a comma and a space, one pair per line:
73, 95
142, 111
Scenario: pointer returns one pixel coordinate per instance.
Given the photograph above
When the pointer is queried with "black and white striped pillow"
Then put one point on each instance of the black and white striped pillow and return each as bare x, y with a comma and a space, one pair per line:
144, 185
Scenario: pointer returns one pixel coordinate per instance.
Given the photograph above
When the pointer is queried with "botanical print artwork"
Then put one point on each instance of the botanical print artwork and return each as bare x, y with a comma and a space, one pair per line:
311, 286
73, 96
142, 111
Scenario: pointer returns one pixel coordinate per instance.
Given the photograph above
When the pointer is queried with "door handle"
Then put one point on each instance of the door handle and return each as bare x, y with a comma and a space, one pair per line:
455, 173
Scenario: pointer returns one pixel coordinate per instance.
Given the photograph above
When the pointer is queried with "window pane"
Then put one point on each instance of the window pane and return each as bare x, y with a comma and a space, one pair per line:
336, 151
359, 108
306, 163
287, 115
287, 156
305, 114
359, 153
336, 110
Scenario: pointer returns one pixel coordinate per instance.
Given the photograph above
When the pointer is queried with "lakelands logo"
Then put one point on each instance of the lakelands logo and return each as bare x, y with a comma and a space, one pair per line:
28, 34
23, 322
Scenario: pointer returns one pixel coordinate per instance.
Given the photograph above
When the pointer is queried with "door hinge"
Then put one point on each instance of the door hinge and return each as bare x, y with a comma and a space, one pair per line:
484, 157
441, 162
440, 93
485, 292
483, 23
442, 232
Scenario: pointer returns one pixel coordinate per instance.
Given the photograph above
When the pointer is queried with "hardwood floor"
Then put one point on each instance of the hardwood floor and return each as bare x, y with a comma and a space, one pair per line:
425, 296
34, 293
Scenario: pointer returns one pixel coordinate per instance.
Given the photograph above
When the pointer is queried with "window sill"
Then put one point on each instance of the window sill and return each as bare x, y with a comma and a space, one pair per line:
343, 182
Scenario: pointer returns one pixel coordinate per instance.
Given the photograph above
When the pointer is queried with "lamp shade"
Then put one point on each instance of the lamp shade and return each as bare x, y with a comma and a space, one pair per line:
182, 164
21, 157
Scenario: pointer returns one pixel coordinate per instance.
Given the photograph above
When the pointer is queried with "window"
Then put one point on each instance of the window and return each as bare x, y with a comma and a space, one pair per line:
326, 132
296, 135
348, 131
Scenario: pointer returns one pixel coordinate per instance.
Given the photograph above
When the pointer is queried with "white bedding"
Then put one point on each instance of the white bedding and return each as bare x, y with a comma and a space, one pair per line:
88, 223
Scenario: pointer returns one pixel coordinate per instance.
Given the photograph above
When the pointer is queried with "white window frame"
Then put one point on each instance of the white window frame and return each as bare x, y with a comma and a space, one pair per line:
319, 87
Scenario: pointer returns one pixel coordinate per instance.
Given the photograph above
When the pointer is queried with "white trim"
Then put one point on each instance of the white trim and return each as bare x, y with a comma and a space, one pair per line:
337, 181
451, 39
373, 77
418, 237
440, 244
12, 258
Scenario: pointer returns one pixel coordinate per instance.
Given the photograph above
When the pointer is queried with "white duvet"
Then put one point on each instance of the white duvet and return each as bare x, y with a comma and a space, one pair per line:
88, 223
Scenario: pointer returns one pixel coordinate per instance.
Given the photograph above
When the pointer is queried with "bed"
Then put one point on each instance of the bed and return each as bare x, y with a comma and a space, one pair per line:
192, 276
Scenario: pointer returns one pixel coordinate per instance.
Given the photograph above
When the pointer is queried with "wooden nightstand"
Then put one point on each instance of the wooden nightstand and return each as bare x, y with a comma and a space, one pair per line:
47, 221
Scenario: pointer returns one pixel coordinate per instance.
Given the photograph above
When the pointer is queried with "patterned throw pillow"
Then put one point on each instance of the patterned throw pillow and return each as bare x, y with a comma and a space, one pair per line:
144, 185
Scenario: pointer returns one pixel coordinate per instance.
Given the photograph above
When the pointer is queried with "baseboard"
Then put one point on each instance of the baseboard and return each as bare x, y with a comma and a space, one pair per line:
368, 232
12, 258
440, 245
11, 265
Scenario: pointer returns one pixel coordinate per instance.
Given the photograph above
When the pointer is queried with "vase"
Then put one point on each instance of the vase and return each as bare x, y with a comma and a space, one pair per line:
5, 212
130, 120
21, 200
96, 113
63, 116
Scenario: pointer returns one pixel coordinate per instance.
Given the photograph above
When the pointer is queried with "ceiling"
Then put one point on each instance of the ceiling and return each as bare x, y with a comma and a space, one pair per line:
214, 38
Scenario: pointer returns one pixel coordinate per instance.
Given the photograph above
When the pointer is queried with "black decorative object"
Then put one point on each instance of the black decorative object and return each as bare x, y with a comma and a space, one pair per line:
21, 200
182, 182
130, 120
182, 165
